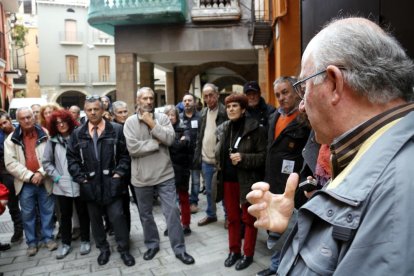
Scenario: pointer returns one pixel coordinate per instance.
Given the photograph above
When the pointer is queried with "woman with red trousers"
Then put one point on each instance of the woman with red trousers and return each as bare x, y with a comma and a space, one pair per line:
240, 153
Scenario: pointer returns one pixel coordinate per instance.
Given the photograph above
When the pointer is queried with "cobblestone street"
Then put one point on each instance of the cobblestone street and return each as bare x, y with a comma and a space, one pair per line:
207, 244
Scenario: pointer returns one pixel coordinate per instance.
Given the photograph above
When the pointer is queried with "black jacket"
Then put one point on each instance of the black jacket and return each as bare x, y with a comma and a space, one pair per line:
286, 148
100, 186
261, 112
181, 156
252, 148
192, 125
221, 117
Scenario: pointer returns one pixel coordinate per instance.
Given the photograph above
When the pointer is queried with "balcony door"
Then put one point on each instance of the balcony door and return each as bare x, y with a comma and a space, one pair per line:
72, 73
70, 30
104, 68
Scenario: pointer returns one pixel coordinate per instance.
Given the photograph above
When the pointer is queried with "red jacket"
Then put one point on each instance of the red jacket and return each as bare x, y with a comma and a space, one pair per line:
4, 195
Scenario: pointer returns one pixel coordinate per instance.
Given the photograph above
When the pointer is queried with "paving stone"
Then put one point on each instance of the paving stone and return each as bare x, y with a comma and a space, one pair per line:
208, 245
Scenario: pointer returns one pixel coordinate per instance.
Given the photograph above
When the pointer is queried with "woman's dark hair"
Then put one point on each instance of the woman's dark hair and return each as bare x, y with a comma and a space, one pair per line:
238, 98
65, 116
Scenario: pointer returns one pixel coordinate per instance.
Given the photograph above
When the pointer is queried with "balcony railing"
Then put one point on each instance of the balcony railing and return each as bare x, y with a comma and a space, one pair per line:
70, 38
103, 79
22, 78
102, 39
215, 10
105, 14
261, 29
75, 79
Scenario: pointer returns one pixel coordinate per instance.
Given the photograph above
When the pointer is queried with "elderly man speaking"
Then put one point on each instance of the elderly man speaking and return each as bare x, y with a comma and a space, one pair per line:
355, 84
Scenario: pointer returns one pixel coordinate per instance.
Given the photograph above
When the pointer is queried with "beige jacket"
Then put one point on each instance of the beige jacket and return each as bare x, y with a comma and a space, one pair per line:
15, 160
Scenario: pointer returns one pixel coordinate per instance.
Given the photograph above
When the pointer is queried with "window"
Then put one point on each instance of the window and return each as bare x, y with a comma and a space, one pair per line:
72, 74
104, 68
27, 6
70, 30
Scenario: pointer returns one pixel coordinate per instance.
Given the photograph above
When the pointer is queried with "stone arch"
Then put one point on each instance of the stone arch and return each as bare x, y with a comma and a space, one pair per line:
185, 74
111, 93
70, 97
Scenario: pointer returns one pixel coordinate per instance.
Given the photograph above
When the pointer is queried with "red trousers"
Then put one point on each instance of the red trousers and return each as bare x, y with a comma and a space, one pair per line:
235, 216
184, 200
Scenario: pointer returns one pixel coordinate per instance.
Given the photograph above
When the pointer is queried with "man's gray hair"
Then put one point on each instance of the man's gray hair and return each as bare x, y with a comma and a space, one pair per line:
143, 90
118, 104
212, 86
22, 109
376, 66
282, 79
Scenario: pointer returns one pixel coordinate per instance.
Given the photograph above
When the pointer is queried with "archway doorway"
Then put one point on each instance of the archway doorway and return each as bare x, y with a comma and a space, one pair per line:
69, 98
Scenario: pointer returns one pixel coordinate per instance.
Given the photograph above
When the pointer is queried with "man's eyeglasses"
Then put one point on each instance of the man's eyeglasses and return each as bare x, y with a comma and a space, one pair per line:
300, 86
93, 98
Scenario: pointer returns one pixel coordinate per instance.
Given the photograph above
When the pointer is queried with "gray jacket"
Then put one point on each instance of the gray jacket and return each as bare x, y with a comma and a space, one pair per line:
363, 226
150, 159
55, 164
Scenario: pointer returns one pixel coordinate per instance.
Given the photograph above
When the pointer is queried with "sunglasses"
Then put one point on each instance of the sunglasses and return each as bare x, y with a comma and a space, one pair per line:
93, 98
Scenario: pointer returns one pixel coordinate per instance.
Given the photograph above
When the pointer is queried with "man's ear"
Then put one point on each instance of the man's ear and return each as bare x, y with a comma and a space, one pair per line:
335, 77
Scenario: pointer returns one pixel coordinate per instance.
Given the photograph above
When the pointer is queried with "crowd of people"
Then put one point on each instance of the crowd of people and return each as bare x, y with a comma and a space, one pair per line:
346, 122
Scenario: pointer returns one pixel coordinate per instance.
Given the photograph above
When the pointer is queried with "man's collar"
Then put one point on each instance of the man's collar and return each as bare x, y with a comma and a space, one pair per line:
282, 111
345, 147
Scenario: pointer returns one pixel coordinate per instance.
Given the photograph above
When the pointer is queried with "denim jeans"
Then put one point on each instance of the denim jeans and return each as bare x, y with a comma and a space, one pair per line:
195, 186
210, 179
30, 196
275, 261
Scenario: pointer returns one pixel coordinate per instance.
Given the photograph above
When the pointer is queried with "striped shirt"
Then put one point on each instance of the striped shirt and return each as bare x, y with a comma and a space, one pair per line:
344, 148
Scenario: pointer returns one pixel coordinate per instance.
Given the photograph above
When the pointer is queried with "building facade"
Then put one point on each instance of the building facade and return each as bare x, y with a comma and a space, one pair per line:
75, 60
194, 42
8, 8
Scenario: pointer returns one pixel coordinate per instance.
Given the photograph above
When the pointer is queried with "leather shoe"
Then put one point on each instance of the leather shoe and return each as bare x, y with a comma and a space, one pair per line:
103, 258
4, 246
232, 259
185, 258
150, 254
244, 262
206, 220
127, 258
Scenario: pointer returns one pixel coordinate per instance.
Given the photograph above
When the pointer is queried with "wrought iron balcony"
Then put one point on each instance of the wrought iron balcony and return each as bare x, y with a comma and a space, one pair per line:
215, 10
261, 29
72, 79
105, 15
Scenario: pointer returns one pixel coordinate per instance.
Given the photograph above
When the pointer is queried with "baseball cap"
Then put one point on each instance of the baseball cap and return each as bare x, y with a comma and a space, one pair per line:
251, 86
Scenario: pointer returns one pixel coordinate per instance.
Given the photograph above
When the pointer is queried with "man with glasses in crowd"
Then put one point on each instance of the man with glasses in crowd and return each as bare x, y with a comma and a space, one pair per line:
97, 160
356, 86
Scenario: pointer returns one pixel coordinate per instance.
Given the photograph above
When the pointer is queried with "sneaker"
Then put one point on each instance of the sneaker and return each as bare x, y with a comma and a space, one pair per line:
193, 208
76, 233
85, 248
51, 245
187, 230
31, 251
17, 236
64, 250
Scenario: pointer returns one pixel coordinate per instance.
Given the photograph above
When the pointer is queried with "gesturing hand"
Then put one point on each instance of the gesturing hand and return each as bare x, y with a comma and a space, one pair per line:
272, 211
